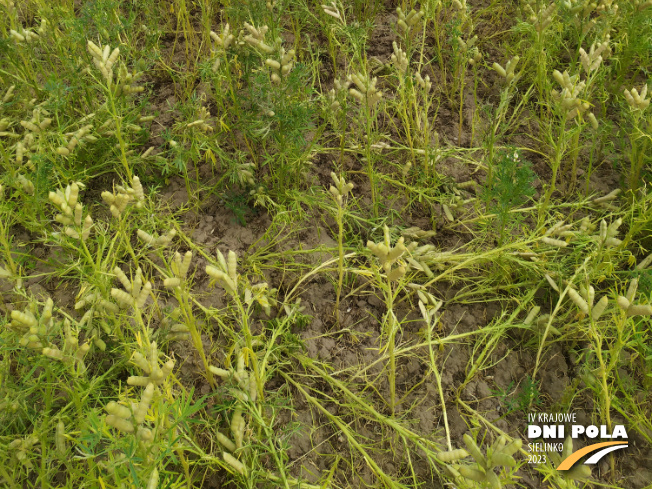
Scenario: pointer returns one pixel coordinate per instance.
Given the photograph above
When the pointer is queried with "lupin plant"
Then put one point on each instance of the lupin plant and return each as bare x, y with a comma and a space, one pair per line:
76, 226
135, 292
365, 92
105, 60
118, 201
640, 122
499, 454
340, 192
179, 282
244, 295
35, 332
389, 260
280, 69
508, 71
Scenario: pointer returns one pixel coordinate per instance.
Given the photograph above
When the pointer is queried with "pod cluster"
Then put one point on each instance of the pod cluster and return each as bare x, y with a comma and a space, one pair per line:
154, 374
244, 388
120, 198
389, 255
499, 454
71, 216
341, 189
135, 292
365, 91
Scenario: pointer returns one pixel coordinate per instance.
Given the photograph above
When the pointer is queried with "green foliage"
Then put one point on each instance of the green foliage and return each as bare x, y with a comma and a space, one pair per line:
511, 187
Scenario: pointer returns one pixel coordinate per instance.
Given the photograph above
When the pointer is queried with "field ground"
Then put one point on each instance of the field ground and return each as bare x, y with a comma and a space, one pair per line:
287, 244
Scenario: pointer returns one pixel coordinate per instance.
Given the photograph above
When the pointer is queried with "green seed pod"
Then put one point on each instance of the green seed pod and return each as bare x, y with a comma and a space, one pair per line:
152, 483
142, 297
143, 406
122, 277
473, 474
118, 410
138, 359
639, 310
533, 313
235, 463
623, 303
631, 291
138, 380
119, 423
53, 353
579, 302
145, 237
599, 308
554, 242
501, 458
220, 372
171, 283
60, 438
396, 273
24, 319
452, 456
493, 480
512, 448
473, 449
122, 297
579, 472
226, 443
145, 435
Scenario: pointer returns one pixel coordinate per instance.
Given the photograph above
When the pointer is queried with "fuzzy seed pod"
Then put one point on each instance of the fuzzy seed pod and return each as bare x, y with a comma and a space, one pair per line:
78, 214
60, 438
639, 310
138, 359
599, 308
119, 423
53, 353
235, 463
473, 474
237, 427
185, 264
533, 313
552, 283
172, 282
220, 372
644, 263
631, 291
448, 213
118, 410
512, 448
142, 297
88, 224
152, 483
226, 443
138, 380
554, 242
623, 303
473, 449
25, 319
108, 306
145, 237
396, 273
124, 280
452, 456
123, 298
145, 435
503, 459
143, 406
578, 300
138, 189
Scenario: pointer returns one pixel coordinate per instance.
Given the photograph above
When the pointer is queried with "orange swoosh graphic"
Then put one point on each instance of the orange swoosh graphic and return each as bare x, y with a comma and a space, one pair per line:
570, 461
